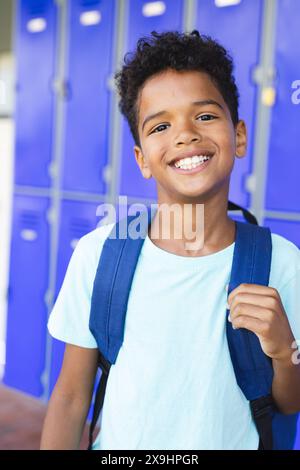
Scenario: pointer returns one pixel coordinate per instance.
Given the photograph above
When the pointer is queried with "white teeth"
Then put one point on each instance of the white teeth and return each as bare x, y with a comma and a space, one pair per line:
191, 162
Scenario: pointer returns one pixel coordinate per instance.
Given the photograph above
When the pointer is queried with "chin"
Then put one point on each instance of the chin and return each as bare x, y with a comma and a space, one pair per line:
191, 198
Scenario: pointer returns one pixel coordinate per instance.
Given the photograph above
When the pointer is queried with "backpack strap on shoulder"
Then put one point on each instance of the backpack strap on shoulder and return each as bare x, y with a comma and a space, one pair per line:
253, 368
112, 286
110, 295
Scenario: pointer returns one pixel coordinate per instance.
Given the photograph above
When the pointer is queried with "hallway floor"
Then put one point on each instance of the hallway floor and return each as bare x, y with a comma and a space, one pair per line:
21, 421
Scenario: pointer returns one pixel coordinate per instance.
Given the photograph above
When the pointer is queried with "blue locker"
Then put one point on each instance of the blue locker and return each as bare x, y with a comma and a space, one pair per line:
77, 219
297, 442
227, 25
286, 228
132, 182
282, 192
89, 68
291, 231
28, 282
35, 53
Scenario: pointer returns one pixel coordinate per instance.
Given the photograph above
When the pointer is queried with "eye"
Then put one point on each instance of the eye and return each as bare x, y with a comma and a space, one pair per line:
207, 115
156, 128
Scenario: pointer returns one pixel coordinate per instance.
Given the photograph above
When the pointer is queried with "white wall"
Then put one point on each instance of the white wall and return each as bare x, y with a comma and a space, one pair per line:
7, 92
6, 188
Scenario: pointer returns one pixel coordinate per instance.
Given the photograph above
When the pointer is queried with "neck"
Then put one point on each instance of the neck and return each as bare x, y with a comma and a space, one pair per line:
192, 229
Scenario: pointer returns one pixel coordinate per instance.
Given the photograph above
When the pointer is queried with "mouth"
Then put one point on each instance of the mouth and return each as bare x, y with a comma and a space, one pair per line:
191, 165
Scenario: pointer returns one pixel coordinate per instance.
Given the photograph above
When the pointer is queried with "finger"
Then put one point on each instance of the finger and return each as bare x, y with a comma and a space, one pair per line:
252, 311
252, 324
264, 301
253, 289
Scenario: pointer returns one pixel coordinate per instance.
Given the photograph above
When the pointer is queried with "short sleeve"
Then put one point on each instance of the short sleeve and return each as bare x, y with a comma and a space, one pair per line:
69, 318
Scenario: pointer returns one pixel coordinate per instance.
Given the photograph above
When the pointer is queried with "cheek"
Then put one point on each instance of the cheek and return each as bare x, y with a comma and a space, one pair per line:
223, 134
156, 152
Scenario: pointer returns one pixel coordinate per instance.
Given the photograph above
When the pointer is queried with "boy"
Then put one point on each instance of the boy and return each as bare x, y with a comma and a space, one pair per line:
181, 101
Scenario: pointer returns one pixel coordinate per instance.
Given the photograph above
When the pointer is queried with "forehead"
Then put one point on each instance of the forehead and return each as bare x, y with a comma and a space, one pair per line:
171, 87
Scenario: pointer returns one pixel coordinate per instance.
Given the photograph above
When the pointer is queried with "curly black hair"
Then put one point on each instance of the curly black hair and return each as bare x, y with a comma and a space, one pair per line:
178, 51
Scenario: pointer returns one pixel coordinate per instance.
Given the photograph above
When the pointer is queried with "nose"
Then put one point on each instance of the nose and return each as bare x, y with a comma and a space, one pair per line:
188, 135
187, 139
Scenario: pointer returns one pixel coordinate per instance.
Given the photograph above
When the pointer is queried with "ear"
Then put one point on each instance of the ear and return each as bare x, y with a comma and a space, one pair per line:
241, 139
141, 161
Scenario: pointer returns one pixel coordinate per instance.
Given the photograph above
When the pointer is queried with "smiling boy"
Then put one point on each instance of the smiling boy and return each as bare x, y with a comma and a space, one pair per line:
173, 384
197, 123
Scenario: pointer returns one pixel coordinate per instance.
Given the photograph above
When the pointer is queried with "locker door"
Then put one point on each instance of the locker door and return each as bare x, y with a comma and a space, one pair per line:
77, 219
227, 25
282, 192
166, 15
87, 109
35, 51
28, 282
291, 231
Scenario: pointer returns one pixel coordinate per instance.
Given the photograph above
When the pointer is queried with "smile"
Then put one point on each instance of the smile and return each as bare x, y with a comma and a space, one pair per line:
191, 168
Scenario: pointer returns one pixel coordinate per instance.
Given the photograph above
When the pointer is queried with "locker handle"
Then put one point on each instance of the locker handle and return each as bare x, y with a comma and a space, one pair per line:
61, 88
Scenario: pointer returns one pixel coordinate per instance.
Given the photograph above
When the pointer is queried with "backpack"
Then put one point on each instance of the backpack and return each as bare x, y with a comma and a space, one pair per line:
253, 369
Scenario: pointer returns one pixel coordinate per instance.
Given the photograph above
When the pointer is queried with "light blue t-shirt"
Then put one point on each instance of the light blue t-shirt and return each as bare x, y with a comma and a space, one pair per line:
173, 386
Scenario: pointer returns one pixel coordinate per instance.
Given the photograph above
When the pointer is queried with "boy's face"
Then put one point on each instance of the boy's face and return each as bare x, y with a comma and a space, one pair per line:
184, 129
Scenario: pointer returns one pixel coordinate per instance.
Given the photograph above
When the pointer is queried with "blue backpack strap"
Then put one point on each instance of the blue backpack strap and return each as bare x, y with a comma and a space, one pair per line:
110, 295
251, 264
253, 369
111, 289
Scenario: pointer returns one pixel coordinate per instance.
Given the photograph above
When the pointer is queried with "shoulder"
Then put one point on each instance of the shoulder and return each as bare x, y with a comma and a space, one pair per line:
92, 243
97, 235
285, 259
69, 319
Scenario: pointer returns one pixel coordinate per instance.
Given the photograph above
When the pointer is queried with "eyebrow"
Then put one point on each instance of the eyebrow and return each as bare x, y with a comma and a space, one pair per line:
194, 103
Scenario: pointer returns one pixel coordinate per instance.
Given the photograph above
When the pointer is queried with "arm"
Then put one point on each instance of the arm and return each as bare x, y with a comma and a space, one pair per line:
286, 384
260, 310
70, 401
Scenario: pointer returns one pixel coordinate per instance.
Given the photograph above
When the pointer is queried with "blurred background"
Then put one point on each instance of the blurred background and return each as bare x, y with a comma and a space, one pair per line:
65, 148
